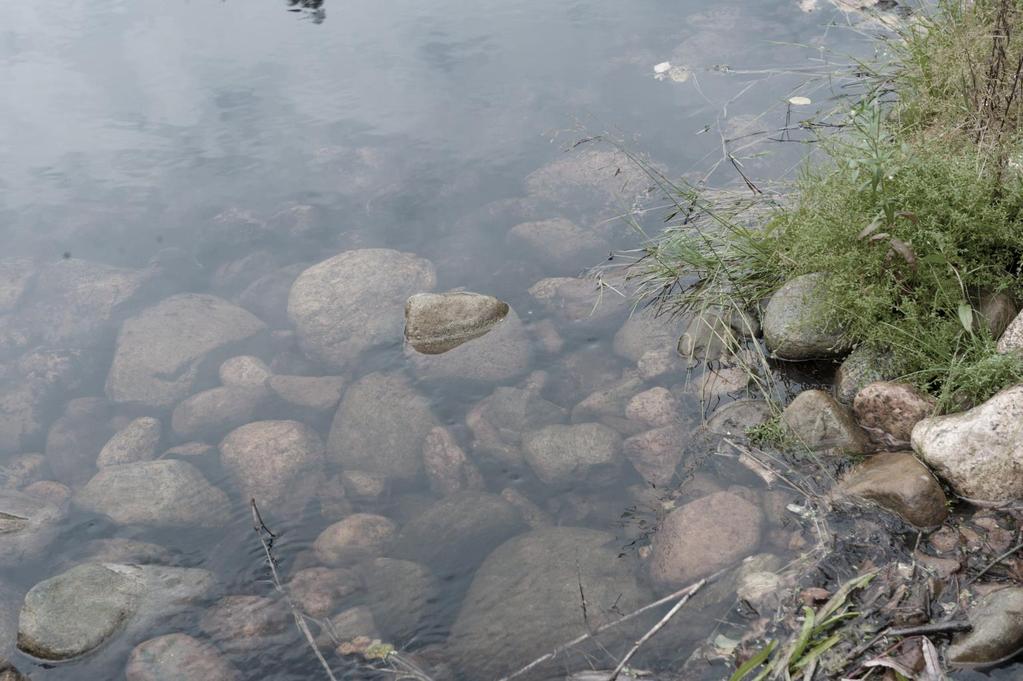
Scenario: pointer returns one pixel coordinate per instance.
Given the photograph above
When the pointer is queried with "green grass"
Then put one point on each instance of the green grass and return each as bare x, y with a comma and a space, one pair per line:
915, 211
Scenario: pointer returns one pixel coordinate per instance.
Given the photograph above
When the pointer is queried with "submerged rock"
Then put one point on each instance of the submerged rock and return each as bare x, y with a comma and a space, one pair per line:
314, 395
28, 525
358, 537
795, 325
30, 387
245, 623
447, 467
354, 301
645, 332
500, 355
560, 243
656, 453
655, 407
380, 427
244, 371
454, 535
77, 611
179, 657
400, 594
563, 454
209, 414
160, 351
577, 300
735, 418
162, 493
530, 586
704, 536
898, 482
980, 451
715, 333
438, 322
997, 633
137, 441
498, 421
321, 591
75, 439
888, 411
280, 464
819, 422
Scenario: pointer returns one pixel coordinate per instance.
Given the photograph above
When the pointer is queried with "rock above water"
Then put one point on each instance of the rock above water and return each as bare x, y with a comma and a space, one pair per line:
500, 355
888, 411
819, 422
530, 586
277, 463
137, 441
77, 611
794, 322
28, 525
438, 322
702, 537
358, 537
380, 427
980, 451
898, 482
997, 633
178, 657
162, 493
161, 350
1011, 339
568, 454
354, 301
454, 535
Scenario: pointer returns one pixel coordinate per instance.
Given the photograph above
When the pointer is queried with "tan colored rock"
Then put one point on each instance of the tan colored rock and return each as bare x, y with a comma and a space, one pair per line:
244, 371
656, 407
533, 515
315, 394
888, 411
704, 536
22, 470
655, 364
1011, 339
321, 591
980, 451
243, 623
358, 537
656, 453
138, 441
562, 454
819, 422
447, 467
178, 656
52, 491
363, 486
898, 482
210, 414
438, 322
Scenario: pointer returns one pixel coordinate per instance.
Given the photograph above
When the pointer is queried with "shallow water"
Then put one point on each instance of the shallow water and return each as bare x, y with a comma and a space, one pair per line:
227, 129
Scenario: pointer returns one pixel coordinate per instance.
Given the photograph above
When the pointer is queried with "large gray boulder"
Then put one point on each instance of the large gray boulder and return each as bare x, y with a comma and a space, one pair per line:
456, 534
530, 586
28, 525
77, 611
277, 463
980, 451
795, 322
161, 493
569, 454
160, 351
354, 301
438, 322
380, 427
500, 355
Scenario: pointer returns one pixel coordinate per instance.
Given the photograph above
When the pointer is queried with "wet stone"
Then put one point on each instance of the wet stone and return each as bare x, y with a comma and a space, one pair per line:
362, 486
50, 491
354, 622
559, 243
997, 633
569, 454
888, 411
655, 407
702, 537
655, 454
178, 657
498, 421
244, 371
644, 332
576, 300
28, 525
502, 354
818, 421
862, 367
280, 464
212, 413
401, 594
735, 418
76, 438
356, 538
898, 482
354, 301
22, 470
448, 468
242, 623
314, 395
138, 441
793, 323
438, 322
162, 493
321, 591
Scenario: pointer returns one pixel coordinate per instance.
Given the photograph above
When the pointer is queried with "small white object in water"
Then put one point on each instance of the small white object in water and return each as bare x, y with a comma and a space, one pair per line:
663, 67
808, 5
678, 74
800, 101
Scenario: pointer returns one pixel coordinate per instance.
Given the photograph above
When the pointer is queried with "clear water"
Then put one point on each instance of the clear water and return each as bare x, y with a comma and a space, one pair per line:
132, 127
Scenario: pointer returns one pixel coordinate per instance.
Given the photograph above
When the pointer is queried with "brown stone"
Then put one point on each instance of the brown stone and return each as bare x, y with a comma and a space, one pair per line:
656, 453
357, 537
321, 591
888, 411
702, 537
819, 422
901, 484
